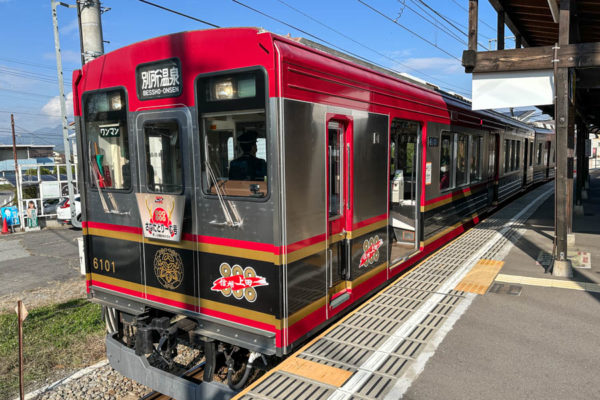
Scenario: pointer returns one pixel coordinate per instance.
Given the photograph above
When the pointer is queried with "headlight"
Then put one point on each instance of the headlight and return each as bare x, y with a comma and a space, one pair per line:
224, 90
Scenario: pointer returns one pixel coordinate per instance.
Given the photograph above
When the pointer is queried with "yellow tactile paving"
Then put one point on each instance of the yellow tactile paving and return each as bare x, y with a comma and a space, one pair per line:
480, 277
544, 282
317, 372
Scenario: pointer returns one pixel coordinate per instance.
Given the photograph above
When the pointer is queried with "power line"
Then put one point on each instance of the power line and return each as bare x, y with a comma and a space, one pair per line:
28, 75
435, 24
446, 19
28, 113
367, 47
16, 61
480, 20
179, 13
26, 93
407, 29
309, 34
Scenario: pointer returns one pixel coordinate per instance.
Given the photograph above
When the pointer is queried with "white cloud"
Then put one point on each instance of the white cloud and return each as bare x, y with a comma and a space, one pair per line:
446, 66
52, 108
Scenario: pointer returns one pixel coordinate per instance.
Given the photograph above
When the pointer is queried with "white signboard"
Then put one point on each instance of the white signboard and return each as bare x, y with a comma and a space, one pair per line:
161, 215
428, 173
50, 190
512, 89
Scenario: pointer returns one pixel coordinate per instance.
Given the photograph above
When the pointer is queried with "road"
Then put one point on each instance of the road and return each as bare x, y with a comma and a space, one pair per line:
33, 260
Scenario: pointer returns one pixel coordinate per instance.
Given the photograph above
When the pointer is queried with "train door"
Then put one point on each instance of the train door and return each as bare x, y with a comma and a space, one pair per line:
165, 204
339, 156
404, 178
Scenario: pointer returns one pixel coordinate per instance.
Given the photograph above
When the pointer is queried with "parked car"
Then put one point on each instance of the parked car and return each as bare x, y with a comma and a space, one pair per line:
63, 212
51, 205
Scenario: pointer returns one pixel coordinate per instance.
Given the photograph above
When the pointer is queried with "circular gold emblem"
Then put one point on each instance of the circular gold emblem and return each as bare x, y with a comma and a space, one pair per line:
168, 268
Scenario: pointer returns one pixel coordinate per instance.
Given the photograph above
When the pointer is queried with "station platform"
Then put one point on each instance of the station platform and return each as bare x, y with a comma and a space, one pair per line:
479, 318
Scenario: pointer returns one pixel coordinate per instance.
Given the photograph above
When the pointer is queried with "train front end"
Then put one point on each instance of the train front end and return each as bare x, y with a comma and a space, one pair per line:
180, 201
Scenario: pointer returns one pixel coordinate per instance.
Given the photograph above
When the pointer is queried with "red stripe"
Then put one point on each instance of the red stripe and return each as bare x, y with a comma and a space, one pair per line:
460, 191
239, 320
186, 306
113, 227
233, 243
302, 243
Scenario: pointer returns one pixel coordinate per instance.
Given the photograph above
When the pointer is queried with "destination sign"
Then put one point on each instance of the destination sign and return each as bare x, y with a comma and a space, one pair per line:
159, 79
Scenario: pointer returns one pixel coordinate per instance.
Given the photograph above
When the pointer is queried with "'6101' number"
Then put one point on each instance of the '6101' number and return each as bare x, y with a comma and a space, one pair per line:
102, 264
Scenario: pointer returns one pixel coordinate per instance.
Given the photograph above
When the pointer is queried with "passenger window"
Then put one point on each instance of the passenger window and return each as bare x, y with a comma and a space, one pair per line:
336, 151
236, 154
234, 132
531, 154
105, 116
476, 142
512, 154
492, 157
461, 159
539, 154
518, 155
446, 161
163, 157
506, 155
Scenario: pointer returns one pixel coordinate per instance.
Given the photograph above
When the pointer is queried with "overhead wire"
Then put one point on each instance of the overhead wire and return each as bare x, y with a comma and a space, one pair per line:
408, 29
435, 24
480, 20
314, 36
370, 48
179, 13
444, 18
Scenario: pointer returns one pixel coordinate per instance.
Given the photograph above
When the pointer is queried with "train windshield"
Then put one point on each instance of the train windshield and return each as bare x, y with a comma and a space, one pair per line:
234, 135
105, 115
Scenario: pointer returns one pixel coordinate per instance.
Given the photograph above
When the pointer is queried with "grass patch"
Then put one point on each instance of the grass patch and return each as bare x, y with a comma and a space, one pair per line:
57, 339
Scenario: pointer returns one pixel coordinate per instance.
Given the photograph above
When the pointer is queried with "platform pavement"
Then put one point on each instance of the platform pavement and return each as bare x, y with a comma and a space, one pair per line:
542, 343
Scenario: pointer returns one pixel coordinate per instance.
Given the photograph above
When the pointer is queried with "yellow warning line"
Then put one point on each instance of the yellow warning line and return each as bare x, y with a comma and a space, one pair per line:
480, 277
545, 282
317, 372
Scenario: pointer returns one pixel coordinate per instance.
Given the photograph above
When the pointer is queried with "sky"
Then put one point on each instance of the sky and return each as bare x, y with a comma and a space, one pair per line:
403, 35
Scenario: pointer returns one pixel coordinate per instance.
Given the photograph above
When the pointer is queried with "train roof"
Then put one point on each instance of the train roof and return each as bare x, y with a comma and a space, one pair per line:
136, 53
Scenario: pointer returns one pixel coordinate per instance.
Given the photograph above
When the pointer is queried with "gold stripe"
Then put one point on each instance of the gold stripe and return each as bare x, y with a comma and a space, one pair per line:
303, 252
454, 197
213, 305
369, 274
366, 229
306, 310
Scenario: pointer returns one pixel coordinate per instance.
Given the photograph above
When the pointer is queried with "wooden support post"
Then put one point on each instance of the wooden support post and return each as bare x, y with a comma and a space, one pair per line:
473, 22
500, 29
580, 149
518, 41
564, 123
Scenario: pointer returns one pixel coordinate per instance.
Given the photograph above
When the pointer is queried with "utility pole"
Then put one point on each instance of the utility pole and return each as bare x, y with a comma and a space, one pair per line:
90, 25
12, 124
17, 172
63, 107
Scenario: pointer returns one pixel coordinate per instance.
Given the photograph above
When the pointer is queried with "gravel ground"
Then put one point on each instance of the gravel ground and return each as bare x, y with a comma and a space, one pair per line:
56, 292
105, 383
101, 384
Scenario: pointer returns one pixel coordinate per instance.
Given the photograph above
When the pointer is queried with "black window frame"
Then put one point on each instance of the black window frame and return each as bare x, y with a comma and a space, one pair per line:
179, 131
243, 104
85, 141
